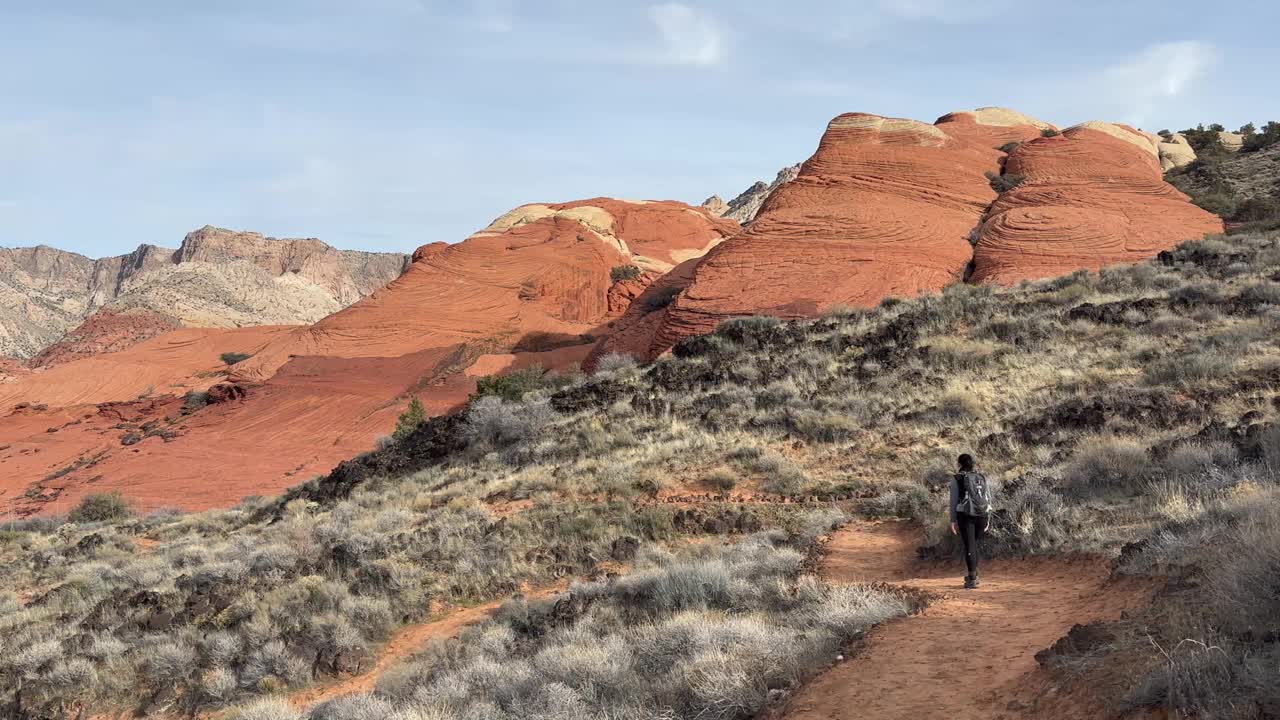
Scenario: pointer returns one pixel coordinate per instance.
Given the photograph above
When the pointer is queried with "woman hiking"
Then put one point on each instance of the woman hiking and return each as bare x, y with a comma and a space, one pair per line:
970, 513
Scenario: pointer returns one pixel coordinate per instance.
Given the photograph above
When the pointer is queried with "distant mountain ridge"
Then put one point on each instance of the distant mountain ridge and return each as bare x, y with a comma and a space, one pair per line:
215, 278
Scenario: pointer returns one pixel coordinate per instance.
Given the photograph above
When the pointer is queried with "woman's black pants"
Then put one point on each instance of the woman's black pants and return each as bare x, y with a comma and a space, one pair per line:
971, 529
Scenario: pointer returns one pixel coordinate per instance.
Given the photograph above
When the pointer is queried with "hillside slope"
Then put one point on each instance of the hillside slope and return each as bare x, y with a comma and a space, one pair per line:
1127, 415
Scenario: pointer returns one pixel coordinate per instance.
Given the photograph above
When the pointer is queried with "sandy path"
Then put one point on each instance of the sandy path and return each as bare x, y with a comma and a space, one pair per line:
408, 641
918, 667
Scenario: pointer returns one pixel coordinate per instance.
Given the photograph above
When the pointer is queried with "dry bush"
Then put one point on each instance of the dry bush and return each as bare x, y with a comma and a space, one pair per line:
1104, 464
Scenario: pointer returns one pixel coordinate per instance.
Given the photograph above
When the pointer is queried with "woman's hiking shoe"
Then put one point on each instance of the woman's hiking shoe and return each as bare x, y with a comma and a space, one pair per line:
970, 582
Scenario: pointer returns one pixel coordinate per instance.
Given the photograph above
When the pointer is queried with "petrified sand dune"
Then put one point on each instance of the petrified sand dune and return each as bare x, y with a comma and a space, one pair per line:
536, 278
992, 126
524, 291
885, 207
1091, 197
172, 363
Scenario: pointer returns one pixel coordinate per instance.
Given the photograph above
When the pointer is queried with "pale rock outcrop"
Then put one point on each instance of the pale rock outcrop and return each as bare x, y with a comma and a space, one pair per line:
1175, 152
746, 205
1231, 141
216, 278
716, 205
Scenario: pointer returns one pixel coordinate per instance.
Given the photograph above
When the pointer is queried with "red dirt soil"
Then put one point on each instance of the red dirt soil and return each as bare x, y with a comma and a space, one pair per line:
1089, 199
920, 667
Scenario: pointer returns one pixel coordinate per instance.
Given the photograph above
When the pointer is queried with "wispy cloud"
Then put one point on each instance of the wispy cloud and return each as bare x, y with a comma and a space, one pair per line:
944, 11
495, 16
1158, 74
689, 36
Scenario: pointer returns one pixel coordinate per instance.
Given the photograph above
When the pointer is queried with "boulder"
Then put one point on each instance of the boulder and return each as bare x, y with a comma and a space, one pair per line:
1175, 152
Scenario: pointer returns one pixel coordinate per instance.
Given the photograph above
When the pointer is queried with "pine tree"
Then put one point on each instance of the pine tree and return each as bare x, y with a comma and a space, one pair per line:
409, 420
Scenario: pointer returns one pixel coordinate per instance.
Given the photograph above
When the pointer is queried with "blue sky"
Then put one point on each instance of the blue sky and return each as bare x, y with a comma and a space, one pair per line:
387, 124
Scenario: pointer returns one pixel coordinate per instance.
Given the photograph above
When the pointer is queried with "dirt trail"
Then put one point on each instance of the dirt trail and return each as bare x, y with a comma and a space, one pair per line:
918, 667
405, 643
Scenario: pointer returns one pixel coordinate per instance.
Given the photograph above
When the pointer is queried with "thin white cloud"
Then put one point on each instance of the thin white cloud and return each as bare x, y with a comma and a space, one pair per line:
943, 11
495, 16
1156, 76
689, 36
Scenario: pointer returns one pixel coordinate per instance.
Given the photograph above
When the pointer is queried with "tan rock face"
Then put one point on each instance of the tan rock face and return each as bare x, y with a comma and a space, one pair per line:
216, 278
1093, 196
1231, 141
1175, 152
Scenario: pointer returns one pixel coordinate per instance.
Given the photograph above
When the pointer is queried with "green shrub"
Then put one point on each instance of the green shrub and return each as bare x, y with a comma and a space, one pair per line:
1004, 183
1009, 147
624, 272
662, 297
1269, 136
511, 386
194, 400
1255, 209
232, 358
409, 420
101, 507
1049, 132
1189, 368
1205, 142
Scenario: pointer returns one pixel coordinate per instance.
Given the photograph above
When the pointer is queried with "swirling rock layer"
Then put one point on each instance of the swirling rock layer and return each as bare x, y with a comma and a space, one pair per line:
885, 207
1091, 197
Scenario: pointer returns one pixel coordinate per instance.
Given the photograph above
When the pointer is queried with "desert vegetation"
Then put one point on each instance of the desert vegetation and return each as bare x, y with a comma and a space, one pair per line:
1242, 187
622, 273
710, 632
1128, 412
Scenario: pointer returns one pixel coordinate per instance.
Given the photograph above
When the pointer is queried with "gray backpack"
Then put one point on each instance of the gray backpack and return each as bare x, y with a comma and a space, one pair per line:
975, 494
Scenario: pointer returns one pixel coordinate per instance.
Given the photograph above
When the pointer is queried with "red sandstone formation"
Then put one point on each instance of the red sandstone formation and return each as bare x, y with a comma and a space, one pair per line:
1091, 197
992, 126
537, 278
885, 207
108, 330
531, 289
